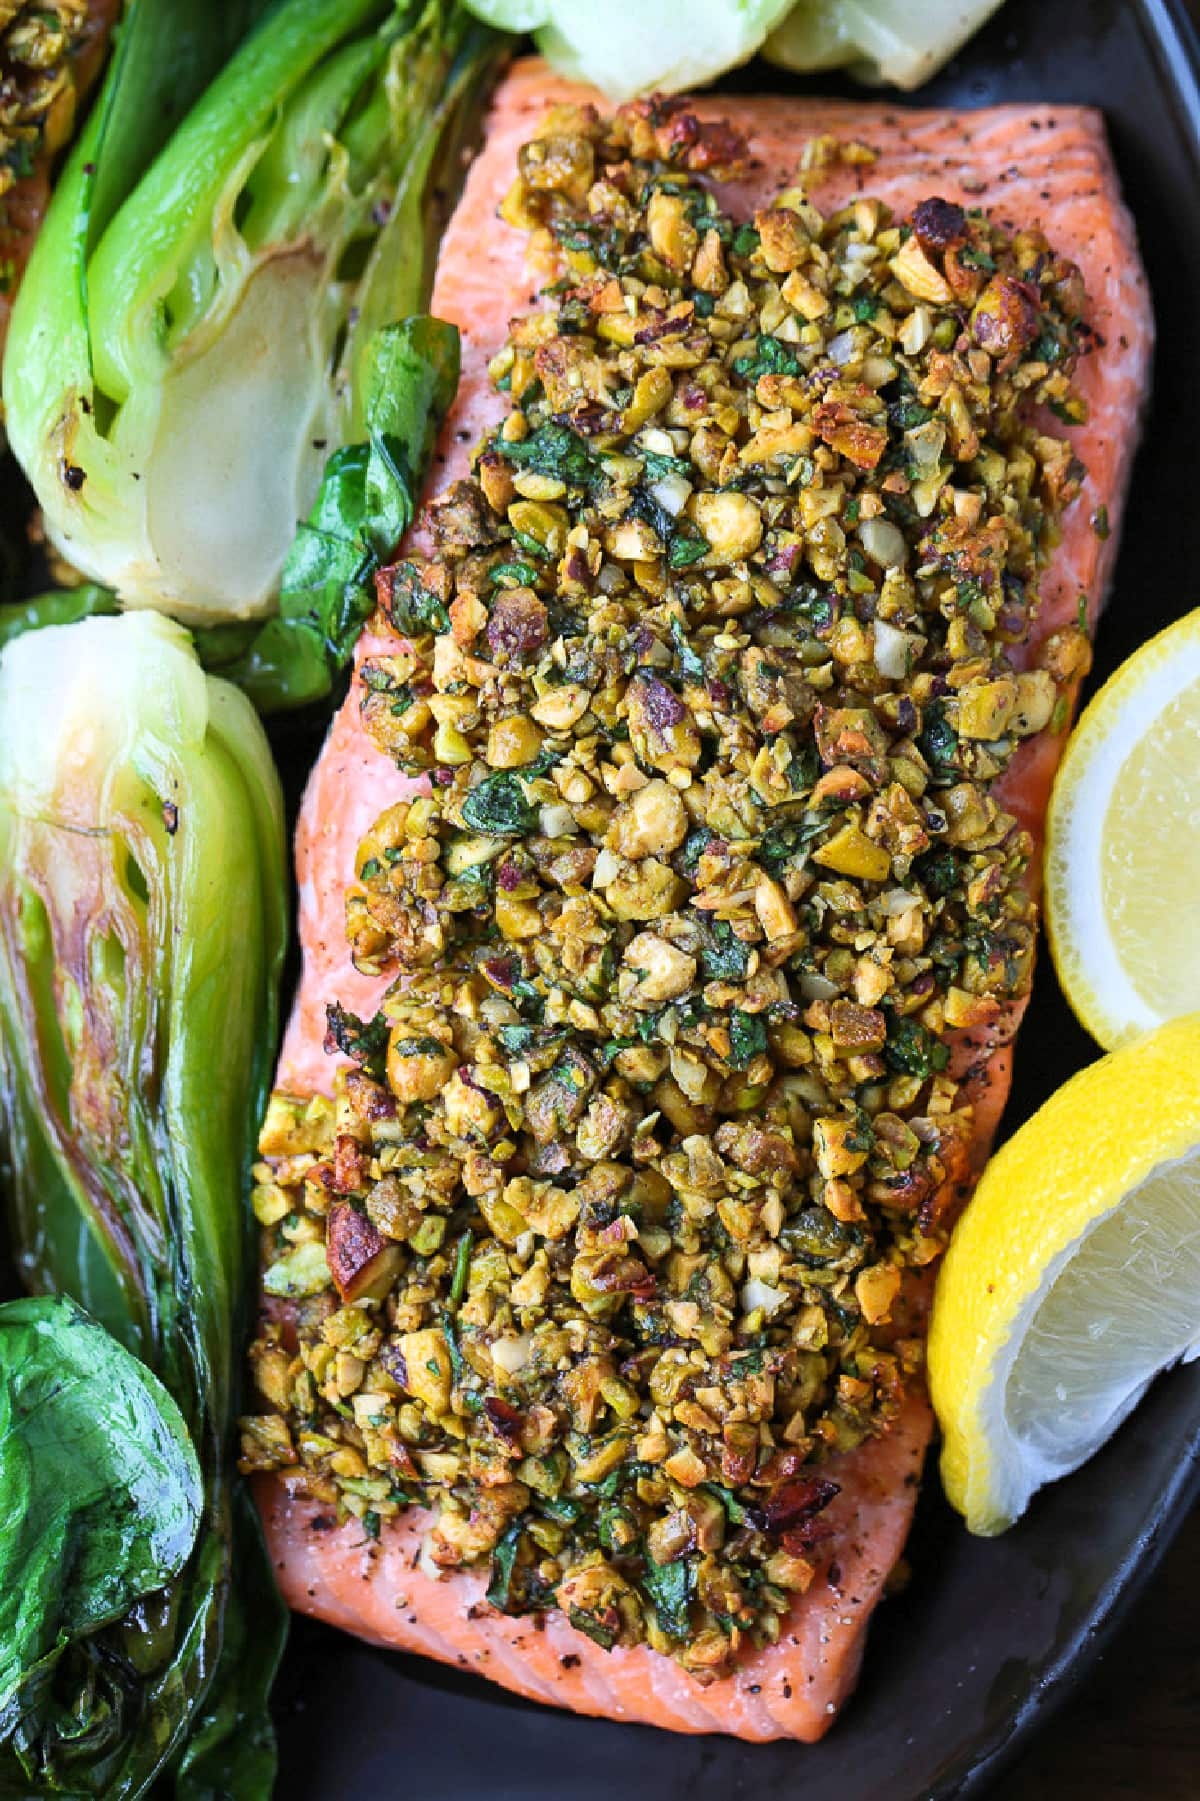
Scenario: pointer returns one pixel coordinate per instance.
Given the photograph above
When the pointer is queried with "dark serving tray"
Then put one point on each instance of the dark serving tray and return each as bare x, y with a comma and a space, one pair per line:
990, 1635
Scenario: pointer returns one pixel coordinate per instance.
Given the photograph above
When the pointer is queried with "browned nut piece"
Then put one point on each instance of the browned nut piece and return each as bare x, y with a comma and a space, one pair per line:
361, 1261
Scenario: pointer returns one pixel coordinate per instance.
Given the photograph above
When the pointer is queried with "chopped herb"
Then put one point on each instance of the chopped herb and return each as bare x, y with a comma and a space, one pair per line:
462, 1265
735, 1513
657, 464
771, 357
688, 664
747, 1038
521, 575
781, 844
913, 1050
939, 743
557, 451
669, 1585
365, 1042
412, 607
938, 871
694, 846
498, 806
687, 549
504, 1559
532, 546
592, 1628
723, 956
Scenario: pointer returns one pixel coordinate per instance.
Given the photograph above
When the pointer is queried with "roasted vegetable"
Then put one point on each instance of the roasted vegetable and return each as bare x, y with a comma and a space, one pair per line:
194, 334
902, 42
142, 926
61, 606
365, 504
101, 1497
50, 53
630, 47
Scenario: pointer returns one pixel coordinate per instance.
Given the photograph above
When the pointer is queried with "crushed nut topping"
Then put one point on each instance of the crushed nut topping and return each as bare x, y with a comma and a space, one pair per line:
37, 93
613, 1231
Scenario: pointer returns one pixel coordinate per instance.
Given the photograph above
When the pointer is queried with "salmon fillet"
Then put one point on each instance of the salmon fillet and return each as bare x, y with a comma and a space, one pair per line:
1045, 165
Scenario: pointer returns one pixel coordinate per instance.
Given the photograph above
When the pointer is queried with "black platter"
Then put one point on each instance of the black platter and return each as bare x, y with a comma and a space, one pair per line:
990, 1636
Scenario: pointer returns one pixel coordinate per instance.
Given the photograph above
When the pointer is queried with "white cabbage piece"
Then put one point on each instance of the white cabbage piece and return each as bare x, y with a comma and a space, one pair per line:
631, 47
900, 42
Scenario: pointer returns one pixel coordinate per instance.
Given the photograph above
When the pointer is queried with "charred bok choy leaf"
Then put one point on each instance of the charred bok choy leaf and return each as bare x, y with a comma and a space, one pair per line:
142, 928
194, 334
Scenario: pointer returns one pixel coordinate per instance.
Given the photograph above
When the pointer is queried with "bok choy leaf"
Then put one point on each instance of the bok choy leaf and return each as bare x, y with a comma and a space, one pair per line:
366, 502
142, 929
100, 1492
194, 334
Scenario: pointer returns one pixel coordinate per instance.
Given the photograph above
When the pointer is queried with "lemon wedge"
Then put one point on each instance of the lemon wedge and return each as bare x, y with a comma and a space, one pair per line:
1123, 845
1073, 1277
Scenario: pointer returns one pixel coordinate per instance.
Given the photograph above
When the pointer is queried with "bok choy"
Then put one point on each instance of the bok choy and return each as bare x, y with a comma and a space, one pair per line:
100, 1491
195, 332
630, 47
142, 930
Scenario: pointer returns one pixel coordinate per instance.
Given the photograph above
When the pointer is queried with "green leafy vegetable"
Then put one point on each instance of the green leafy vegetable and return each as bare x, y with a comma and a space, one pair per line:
142, 930
629, 47
198, 326
366, 502
101, 1497
899, 41
62, 606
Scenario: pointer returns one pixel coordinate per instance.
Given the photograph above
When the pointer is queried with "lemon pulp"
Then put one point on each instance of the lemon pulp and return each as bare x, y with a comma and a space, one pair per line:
1150, 859
1123, 845
1072, 1278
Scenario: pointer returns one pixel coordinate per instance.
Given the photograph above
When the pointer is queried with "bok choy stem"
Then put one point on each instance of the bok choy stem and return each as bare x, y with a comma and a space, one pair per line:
142, 930
192, 335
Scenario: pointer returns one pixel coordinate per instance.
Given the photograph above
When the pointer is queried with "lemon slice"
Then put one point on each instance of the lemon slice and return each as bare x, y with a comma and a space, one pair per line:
1123, 845
1073, 1277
